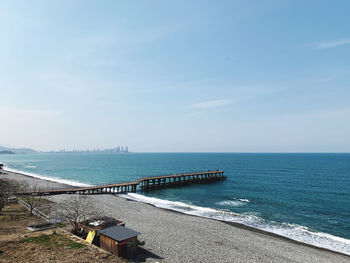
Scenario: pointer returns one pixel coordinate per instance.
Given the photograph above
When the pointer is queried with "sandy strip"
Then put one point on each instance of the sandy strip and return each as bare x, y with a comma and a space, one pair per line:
176, 237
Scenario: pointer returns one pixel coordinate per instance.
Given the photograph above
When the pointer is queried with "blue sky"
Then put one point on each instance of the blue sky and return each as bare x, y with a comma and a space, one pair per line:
183, 76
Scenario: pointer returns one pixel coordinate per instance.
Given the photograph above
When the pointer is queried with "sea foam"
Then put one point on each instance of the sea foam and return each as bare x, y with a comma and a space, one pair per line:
234, 203
47, 178
292, 231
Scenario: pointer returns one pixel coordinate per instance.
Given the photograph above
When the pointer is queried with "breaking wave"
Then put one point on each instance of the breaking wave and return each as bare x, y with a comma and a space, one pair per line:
233, 203
30, 166
236, 202
47, 178
292, 231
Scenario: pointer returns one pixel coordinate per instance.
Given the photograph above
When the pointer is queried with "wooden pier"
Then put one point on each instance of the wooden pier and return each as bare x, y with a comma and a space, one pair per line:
145, 184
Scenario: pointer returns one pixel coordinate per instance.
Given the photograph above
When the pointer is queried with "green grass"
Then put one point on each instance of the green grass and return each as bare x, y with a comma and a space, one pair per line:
54, 240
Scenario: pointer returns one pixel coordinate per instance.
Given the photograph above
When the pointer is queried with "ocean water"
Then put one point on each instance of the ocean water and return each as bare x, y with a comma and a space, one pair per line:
305, 197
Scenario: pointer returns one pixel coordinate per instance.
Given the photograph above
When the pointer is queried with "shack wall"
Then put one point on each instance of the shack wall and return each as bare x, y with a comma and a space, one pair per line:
108, 244
133, 248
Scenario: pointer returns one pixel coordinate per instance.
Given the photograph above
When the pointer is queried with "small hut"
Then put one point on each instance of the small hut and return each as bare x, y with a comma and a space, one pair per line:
119, 240
96, 224
99, 223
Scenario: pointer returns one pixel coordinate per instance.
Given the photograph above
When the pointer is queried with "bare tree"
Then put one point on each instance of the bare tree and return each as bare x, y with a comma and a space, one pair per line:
33, 201
8, 188
76, 209
4, 194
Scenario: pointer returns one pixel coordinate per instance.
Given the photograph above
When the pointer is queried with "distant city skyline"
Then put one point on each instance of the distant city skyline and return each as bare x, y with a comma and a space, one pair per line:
176, 76
118, 149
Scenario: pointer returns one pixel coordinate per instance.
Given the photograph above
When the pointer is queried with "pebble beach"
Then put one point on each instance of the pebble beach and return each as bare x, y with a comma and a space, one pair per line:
174, 237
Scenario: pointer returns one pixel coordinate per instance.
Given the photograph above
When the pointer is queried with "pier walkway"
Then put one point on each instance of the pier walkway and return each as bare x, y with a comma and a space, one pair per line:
145, 183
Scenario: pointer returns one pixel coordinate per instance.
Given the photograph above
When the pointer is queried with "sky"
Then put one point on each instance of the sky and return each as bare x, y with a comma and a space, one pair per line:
176, 76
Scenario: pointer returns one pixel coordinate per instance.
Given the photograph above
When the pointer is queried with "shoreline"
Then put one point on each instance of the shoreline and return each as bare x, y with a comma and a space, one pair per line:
234, 227
245, 227
68, 184
36, 178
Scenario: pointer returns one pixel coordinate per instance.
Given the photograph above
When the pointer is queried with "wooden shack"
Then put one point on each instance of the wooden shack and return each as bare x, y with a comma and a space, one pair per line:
96, 224
99, 223
119, 240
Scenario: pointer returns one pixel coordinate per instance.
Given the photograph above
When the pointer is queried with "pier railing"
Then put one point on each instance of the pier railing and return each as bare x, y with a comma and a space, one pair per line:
145, 183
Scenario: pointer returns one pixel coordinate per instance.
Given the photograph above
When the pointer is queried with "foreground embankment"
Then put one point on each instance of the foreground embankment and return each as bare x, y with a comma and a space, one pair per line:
176, 237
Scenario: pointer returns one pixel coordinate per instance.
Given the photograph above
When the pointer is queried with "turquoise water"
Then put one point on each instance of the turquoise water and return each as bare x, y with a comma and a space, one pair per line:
302, 196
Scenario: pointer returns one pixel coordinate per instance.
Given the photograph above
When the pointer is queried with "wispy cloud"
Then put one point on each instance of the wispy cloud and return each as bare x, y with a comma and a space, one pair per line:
211, 104
330, 44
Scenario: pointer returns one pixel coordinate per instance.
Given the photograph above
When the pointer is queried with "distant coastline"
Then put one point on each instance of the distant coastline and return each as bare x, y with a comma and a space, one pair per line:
118, 149
7, 150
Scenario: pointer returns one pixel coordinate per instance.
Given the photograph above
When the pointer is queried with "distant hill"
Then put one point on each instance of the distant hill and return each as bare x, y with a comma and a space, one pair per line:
6, 152
17, 150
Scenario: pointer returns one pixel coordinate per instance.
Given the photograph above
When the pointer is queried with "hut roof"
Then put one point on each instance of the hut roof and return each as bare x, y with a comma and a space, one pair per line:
119, 233
99, 222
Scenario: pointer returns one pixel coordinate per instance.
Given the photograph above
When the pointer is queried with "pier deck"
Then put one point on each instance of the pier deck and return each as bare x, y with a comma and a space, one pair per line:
145, 183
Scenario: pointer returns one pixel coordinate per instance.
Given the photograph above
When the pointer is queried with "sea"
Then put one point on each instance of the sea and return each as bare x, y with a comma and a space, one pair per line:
301, 196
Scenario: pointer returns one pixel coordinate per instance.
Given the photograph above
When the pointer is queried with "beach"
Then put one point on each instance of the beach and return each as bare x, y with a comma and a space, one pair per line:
176, 237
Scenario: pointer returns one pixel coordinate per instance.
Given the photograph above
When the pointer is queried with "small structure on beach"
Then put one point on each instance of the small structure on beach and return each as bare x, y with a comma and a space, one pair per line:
99, 223
91, 228
119, 240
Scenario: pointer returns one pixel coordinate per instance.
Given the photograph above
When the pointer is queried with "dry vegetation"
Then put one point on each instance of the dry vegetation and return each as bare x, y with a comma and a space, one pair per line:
19, 245
77, 209
13, 220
